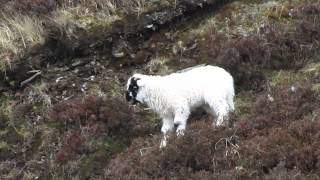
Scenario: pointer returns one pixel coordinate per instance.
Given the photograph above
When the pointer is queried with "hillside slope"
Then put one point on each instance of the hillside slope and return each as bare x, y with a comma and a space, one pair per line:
64, 65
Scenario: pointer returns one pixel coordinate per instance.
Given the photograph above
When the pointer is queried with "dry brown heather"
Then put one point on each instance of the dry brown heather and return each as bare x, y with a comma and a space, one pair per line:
276, 139
276, 45
84, 119
280, 133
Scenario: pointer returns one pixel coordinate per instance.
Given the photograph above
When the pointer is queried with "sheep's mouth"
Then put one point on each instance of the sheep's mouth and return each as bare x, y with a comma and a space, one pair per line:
129, 98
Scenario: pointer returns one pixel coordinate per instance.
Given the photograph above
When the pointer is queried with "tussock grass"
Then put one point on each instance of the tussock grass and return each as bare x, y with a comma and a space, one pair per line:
284, 77
62, 17
18, 32
108, 7
24, 28
158, 65
28, 29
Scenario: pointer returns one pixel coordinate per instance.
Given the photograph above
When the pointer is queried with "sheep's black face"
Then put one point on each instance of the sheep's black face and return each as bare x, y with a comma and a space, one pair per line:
132, 90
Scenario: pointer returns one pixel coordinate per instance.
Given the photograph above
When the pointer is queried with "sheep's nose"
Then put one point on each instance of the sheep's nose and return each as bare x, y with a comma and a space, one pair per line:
176, 125
128, 97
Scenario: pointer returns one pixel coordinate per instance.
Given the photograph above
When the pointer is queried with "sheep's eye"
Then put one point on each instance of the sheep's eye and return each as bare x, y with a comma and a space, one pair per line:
133, 88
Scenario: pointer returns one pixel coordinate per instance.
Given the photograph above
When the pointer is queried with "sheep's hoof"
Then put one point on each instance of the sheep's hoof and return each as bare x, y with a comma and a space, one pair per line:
180, 132
163, 143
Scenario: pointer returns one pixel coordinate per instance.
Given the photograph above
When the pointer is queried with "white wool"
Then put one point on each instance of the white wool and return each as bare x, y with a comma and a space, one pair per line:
174, 96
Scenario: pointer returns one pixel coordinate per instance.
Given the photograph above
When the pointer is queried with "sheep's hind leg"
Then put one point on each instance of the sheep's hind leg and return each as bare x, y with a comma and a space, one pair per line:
221, 111
180, 120
167, 126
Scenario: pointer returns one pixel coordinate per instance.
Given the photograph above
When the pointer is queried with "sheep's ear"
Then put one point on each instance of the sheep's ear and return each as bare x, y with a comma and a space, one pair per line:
129, 82
140, 83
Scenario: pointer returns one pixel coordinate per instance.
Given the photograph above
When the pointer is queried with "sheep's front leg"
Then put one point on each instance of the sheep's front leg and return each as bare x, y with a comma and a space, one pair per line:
167, 126
180, 120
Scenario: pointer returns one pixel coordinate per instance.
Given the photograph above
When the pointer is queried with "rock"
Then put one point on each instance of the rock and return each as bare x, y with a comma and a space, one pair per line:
118, 54
79, 62
119, 49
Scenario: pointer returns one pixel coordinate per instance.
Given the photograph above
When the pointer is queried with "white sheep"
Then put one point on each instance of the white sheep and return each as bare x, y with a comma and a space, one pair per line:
174, 96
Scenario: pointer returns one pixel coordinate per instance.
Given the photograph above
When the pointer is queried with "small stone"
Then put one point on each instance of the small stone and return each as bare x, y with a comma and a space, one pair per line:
92, 78
270, 98
118, 54
149, 26
58, 79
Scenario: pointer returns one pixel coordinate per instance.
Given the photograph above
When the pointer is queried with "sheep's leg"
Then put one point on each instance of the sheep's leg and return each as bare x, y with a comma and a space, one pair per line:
167, 126
221, 118
221, 112
180, 120
230, 102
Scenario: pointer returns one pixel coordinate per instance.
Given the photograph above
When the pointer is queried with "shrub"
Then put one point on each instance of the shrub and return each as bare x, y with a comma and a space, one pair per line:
35, 6
114, 113
279, 107
277, 137
73, 144
275, 46
83, 120
198, 150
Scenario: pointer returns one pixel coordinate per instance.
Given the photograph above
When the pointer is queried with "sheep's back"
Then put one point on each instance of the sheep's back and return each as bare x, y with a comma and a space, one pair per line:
200, 78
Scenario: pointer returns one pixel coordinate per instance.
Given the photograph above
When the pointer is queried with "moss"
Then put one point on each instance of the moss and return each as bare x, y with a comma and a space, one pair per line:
283, 77
10, 130
99, 159
277, 11
115, 88
5, 62
5, 105
3, 145
242, 104
30, 176
311, 70
3, 132
96, 90
89, 163
96, 24
159, 5
316, 88
114, 145
158, 66
13, 136
235, 19
37, 140
13, 125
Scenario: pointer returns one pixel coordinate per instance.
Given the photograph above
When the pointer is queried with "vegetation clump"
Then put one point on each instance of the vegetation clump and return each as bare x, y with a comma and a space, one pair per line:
280, 132
84, 119
275, 45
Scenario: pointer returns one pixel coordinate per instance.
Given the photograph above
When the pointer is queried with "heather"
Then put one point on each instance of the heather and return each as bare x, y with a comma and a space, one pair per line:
64, 67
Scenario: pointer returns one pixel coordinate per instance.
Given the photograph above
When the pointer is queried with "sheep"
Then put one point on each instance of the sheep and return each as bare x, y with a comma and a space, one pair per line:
174, 96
